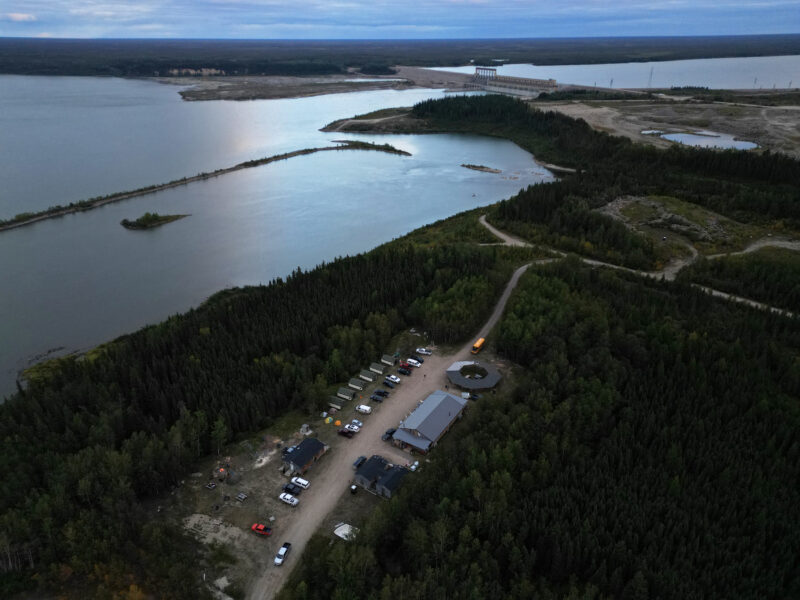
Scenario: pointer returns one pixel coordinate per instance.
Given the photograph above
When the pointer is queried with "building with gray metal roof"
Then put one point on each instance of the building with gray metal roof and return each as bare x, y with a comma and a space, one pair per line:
429, 421
473, 375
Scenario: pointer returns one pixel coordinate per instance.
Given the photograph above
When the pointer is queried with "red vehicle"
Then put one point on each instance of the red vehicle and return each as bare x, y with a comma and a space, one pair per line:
261, 529
404, 365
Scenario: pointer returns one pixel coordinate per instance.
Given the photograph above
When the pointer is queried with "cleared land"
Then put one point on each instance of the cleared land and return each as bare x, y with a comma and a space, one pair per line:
776, 128
262, 87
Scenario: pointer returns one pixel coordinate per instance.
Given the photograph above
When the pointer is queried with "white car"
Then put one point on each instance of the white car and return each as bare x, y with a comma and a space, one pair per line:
357, 423
364, 409
424, 351
353, 428
281, 555
393, 378
289, 499
303, 483
414, 363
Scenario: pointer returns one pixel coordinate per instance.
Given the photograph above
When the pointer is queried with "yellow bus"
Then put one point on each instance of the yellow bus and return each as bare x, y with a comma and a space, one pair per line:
477, 346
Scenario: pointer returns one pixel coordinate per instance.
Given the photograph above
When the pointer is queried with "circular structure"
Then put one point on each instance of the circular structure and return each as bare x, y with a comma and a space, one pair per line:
473, 375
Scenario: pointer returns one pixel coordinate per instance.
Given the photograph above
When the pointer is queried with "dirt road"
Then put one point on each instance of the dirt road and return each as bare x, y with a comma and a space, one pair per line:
670, 271
331, 477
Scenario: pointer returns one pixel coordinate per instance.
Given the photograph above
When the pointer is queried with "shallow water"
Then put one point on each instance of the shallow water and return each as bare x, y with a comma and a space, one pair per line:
709, 139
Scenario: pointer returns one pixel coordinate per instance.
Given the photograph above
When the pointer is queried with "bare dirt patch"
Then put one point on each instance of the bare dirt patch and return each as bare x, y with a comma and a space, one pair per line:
269, 87
776, 128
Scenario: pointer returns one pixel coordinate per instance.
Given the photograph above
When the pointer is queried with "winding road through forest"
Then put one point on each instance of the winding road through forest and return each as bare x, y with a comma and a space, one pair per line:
671, 270
331, 479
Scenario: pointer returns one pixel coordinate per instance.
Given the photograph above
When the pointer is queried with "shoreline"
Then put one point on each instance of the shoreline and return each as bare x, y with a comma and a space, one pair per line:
272, 87
93, 203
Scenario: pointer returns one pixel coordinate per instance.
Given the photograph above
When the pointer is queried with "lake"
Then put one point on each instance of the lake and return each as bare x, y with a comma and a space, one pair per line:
751, 72
74, 282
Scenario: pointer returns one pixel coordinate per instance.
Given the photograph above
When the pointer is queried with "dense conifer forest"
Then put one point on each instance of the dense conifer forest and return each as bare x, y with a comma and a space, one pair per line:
149, 57
649, 449
646, 445
769, 275
92, 440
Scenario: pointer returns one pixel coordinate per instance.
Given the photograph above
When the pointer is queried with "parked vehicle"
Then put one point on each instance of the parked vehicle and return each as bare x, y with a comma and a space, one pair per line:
345, 433
403, 364
289, 499
363, 409
261, 529
414, 363
357, 422
293, 489
282, 553
393, 378
353, 428
211, 485
383, 393
241, 496
359, 461
403, 371
376, 398
424, 351
388, 434
415, 466
388, 384
303, 483
419, 359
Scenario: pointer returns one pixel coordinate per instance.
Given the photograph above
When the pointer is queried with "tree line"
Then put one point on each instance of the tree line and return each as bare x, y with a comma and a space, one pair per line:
769, 275
86, 445
649, 449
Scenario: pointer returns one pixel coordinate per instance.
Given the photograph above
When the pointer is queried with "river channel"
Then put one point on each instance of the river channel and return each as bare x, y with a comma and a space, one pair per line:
70, 283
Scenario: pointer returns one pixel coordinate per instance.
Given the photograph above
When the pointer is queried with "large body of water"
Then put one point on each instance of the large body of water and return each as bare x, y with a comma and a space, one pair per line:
718, 73
73, 282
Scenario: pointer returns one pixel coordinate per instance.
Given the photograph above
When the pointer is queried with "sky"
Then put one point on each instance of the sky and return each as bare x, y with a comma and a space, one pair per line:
392, 19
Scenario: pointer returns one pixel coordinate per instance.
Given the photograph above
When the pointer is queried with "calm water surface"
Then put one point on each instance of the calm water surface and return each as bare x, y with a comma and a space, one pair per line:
64, 139
74, 282
709, 139
719, 73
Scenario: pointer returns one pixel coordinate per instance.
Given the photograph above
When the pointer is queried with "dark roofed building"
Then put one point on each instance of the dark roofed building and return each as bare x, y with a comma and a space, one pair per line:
305, 454
376, 475
390, 481
346, 393
369, 472
356, 384
429, 421
377, 368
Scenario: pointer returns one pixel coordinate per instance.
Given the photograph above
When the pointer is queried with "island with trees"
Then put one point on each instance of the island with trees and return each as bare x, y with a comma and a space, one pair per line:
150, 220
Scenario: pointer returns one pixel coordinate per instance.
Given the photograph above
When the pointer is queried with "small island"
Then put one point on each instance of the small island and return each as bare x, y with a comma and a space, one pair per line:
481, 168
150, 220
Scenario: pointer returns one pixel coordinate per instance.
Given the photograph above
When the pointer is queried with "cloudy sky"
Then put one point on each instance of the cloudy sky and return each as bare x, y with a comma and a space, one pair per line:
393, 19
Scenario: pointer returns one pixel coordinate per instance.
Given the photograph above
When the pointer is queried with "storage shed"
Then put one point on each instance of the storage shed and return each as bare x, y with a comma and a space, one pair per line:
377, 368
357, 384
346, 394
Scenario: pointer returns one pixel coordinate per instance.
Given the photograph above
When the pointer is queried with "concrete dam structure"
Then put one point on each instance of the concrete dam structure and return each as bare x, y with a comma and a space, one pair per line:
486, 78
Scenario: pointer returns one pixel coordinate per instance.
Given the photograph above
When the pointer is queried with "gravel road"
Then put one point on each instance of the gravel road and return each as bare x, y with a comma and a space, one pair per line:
331, 477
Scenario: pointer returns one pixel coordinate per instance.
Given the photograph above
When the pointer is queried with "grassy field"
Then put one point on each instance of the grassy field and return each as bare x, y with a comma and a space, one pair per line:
709, 232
